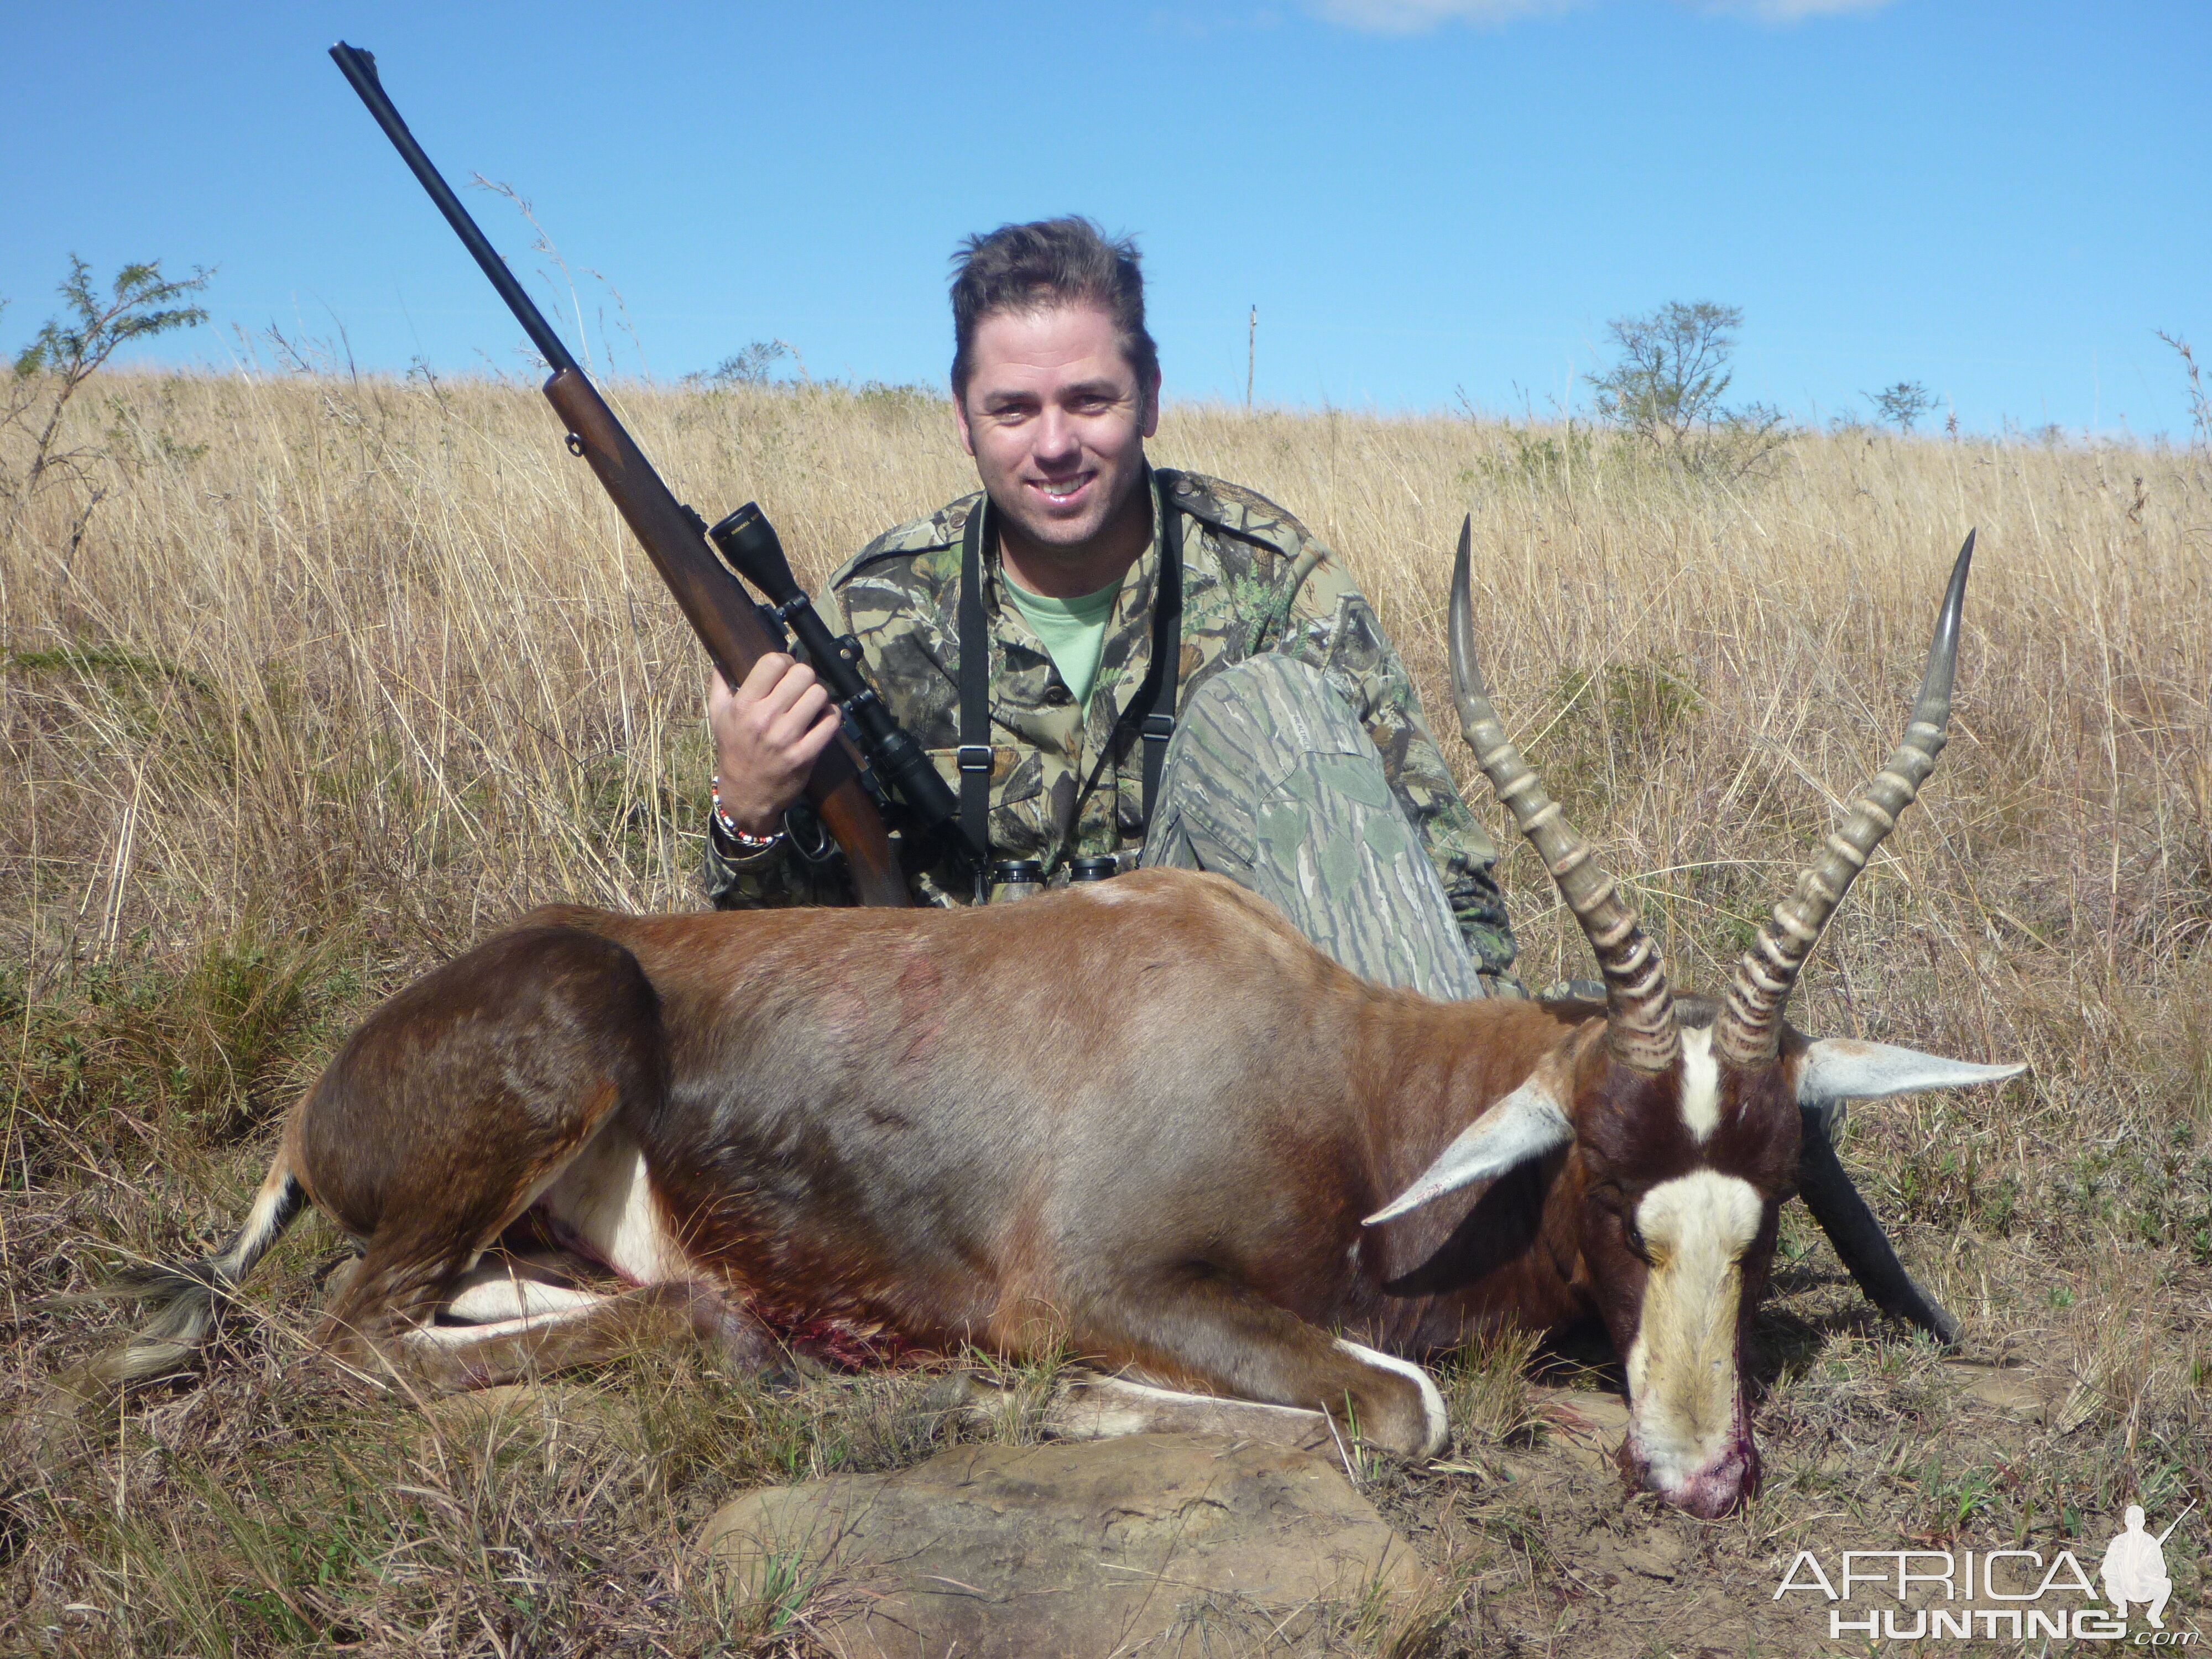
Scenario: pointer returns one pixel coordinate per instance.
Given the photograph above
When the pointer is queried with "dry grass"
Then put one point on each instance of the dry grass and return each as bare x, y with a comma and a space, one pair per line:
347, 673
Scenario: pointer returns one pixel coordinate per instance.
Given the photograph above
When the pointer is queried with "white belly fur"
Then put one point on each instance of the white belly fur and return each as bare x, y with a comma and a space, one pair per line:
603, 1200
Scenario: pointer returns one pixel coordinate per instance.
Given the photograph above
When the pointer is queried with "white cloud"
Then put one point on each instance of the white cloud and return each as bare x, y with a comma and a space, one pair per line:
1419, 16
1786, 11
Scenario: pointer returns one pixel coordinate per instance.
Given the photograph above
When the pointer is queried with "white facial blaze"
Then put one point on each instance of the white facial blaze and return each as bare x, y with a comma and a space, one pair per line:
1701, 1083
1681, 1370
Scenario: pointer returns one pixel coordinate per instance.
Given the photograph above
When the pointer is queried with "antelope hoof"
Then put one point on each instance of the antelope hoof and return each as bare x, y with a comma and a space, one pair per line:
1408, 1421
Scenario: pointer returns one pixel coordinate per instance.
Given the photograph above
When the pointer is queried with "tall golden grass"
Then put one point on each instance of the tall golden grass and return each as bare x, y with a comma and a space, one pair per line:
345, 673
360, 652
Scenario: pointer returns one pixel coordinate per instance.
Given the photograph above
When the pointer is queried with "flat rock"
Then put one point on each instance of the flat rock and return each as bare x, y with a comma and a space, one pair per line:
1581, 1413
1172, 1545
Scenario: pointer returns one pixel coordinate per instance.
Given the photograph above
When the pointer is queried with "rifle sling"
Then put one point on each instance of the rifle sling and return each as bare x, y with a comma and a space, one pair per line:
1152, 710
973, 754
1163, 681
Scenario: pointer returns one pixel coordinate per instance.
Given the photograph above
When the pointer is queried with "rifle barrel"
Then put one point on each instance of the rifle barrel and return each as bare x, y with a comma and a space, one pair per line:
359, 67
2178, 1519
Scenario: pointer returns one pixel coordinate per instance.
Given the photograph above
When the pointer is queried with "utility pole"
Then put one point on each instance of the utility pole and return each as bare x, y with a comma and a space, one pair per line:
1251, 350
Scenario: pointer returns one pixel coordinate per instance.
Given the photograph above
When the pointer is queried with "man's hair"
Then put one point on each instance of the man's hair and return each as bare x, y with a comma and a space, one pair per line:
1054, 262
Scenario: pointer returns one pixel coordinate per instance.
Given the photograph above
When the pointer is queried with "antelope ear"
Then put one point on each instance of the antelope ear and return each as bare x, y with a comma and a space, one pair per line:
1526, 1124
1839, 1068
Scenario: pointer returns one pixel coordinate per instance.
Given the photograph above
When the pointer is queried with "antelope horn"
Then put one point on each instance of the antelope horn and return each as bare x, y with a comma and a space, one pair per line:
1749, 1030
1639, 1009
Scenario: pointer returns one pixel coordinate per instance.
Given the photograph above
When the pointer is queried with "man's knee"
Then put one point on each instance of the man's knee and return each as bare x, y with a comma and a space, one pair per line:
1243, 734
1272, 782
1275, 704
1240, 734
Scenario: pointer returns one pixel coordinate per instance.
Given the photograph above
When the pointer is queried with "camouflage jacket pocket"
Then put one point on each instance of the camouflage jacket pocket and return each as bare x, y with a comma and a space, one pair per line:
1021, 826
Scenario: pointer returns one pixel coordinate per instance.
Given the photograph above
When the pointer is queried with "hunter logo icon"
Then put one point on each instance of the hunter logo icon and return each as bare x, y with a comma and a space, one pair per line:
2134, 1568
2008, 1594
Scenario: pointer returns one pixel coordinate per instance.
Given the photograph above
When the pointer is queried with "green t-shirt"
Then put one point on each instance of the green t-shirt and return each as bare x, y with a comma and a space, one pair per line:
1073, 631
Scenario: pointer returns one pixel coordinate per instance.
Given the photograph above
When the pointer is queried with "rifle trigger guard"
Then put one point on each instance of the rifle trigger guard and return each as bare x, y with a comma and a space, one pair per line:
575, 445
819, 848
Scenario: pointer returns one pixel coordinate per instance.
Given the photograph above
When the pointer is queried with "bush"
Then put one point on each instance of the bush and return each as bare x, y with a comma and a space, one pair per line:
754, 365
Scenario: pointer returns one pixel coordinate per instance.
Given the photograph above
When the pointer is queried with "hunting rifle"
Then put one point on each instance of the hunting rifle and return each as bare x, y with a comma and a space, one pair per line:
674, 538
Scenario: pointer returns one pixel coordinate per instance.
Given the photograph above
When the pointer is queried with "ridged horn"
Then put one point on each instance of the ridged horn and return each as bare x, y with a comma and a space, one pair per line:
1749, 1030
1640, 1010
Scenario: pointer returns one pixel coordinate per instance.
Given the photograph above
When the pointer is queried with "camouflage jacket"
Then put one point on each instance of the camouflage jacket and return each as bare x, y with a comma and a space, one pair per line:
1067, 783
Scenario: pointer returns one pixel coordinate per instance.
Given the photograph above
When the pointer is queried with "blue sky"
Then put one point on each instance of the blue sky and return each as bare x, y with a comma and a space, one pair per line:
1424, 198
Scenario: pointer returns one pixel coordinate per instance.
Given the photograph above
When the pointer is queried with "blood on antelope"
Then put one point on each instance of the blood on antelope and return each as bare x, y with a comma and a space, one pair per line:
1144, 1119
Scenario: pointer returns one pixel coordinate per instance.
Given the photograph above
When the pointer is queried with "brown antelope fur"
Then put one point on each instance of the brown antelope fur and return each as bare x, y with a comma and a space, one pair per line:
1144, 1118
870, 1116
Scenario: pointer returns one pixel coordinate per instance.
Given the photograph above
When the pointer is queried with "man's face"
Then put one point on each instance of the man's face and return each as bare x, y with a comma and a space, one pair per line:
1056, 420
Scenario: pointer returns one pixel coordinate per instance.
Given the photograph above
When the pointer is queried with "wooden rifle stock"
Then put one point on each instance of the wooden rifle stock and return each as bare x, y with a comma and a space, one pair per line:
674, 538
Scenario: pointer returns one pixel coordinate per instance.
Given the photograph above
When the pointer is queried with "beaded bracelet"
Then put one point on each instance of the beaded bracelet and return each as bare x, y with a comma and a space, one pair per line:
744, 842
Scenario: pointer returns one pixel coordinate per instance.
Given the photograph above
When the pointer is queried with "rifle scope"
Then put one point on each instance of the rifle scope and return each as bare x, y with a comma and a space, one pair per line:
749, 541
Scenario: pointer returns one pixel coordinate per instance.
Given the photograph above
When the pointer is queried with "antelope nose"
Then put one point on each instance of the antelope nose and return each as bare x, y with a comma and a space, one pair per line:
1717, 1489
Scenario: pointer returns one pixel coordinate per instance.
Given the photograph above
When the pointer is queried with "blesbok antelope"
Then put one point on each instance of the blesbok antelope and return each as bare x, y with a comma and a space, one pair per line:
1266, 1179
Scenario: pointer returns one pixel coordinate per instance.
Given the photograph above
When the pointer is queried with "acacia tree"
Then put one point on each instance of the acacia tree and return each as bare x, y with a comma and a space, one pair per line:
1673, 369
68, 350
1668, 385
1901, 405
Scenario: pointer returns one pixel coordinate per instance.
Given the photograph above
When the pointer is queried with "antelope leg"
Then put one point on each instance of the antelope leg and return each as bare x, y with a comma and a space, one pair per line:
1088, 1406
1858, 1237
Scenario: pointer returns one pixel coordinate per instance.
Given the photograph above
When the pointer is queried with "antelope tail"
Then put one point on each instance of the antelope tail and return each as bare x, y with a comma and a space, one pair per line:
187, 1299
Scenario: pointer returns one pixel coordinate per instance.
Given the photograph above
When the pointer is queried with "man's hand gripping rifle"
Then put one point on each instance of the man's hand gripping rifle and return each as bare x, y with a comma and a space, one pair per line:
674, 538
749, 541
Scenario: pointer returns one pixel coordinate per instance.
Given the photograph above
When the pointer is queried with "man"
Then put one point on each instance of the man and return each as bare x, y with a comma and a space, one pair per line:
1299, 763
